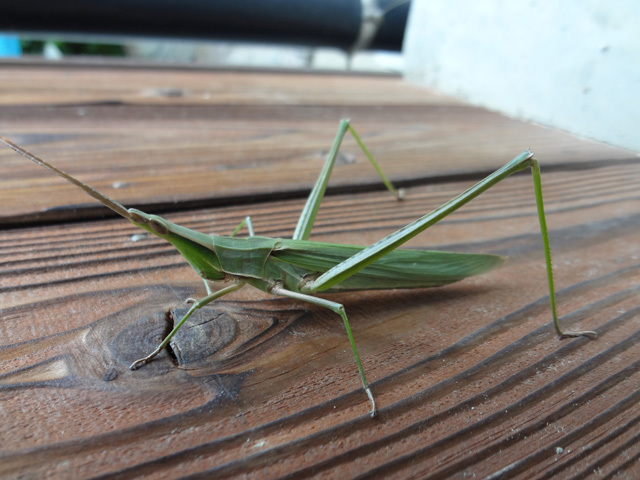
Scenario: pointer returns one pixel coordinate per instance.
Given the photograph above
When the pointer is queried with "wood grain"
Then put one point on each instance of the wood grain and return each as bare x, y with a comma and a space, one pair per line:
217, 151
470, 378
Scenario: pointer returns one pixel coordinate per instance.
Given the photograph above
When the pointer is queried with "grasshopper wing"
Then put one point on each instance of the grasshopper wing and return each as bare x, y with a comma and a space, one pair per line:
398, 269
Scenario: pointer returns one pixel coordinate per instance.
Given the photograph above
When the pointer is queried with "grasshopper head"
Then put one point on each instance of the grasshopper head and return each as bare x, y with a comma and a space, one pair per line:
151, 223
195, 247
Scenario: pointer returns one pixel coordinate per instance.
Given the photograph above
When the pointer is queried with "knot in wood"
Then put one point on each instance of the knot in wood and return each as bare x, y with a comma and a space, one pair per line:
206, 332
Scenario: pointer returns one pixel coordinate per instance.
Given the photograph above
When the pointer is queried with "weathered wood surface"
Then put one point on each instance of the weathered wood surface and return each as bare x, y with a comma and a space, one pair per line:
230, 137
470, 378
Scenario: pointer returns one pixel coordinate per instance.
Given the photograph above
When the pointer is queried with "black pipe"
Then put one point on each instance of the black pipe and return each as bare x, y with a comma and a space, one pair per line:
334, 23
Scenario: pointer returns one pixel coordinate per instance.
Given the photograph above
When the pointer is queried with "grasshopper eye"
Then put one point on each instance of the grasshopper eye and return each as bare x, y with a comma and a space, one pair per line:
158, 227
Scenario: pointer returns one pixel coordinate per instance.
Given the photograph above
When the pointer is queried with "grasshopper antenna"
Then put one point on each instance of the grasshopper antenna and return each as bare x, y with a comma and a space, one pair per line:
106, 201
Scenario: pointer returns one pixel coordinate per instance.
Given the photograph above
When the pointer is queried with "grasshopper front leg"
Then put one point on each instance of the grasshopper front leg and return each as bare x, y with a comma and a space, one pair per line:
196, 305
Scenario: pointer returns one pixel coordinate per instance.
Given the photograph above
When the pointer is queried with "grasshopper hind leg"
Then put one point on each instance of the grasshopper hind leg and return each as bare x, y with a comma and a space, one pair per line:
544, 232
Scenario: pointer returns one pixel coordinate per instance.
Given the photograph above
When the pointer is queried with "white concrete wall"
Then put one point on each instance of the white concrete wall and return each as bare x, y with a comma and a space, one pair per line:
572, 64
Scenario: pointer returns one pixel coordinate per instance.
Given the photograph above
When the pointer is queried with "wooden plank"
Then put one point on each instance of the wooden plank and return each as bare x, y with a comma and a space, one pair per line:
131, 146
469, 378
59, 84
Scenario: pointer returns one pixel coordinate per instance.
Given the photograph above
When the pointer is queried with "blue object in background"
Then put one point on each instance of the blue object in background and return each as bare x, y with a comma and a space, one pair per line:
9, 46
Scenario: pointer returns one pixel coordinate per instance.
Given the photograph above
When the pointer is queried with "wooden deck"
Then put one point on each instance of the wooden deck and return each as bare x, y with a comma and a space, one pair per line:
470, 379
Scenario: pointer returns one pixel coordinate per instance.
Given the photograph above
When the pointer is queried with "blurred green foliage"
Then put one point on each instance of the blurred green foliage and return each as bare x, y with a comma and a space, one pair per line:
35, 47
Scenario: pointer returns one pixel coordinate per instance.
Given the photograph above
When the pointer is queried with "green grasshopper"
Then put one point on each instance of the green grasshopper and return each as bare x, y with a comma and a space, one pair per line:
299, 268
